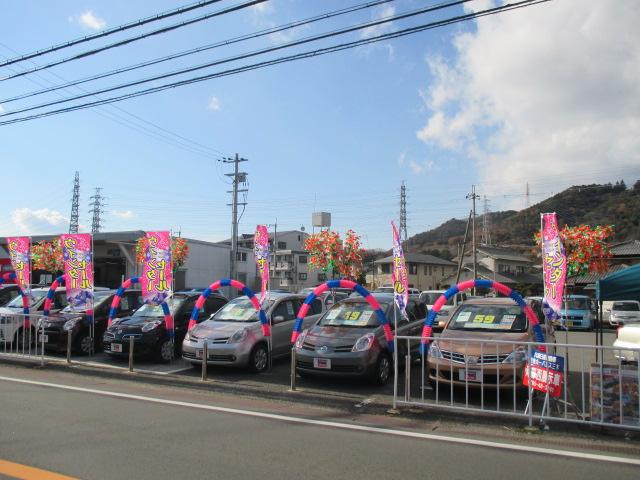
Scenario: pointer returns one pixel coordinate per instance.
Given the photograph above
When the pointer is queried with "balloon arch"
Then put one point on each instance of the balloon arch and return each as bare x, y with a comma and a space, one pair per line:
226, 282
469, 284
320, 289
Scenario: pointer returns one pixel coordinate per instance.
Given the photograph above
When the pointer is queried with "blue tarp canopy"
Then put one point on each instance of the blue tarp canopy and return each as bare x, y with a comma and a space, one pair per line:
621, 285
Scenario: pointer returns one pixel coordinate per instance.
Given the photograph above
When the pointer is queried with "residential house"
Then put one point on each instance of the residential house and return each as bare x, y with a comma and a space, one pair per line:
425, 272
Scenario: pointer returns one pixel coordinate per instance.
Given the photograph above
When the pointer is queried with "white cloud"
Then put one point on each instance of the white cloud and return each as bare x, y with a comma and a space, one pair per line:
549, 94
89, 20
402, 158
214, 104
29, 222
127, 214
1, 108
381, 29
263, 8
414, 166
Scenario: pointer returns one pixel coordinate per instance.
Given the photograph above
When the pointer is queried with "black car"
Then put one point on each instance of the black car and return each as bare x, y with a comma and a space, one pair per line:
349, 341
148, 329
78, 323
8, 293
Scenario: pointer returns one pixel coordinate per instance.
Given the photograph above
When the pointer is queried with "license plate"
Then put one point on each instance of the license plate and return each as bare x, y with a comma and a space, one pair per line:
44, 338
470, 375
116, 347
323, 363
569, 323
199, 353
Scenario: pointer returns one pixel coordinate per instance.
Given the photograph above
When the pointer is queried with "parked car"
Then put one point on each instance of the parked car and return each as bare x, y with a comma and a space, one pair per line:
8, 293
148, 329
459, 357
578, 312
348, 340
234, 335
624, 312
628, 340
429, 297
77, 324
12, 320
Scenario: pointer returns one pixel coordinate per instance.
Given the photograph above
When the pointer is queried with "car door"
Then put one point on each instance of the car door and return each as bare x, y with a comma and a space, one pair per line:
282, 318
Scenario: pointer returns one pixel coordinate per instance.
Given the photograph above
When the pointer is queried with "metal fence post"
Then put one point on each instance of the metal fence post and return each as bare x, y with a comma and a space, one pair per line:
69, 347
395, 373
41, 346
131, 354
205, 357
293, 368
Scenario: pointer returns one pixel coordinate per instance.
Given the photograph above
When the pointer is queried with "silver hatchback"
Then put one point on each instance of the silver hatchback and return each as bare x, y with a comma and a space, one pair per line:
234, 335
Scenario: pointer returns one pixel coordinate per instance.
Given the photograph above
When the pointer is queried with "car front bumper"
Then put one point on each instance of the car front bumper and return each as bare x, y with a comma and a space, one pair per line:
236, 354
487, 375
347, 364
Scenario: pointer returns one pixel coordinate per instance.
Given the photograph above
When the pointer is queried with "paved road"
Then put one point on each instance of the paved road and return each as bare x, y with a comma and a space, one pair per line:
90, 435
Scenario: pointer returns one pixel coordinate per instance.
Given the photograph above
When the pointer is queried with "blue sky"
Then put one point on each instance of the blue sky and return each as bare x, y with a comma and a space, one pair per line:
337, 133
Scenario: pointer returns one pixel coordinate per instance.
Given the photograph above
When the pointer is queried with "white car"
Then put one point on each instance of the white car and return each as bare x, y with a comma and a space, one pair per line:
12, 317
429, 297
629, 343
624, 312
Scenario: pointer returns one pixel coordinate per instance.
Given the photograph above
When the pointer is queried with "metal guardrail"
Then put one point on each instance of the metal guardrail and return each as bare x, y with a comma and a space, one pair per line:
586, 384
20, 336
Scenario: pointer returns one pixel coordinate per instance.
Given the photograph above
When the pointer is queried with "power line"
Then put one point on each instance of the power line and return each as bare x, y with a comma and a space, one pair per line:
304, 55
192, 51
250, 54
110, 31
129, 40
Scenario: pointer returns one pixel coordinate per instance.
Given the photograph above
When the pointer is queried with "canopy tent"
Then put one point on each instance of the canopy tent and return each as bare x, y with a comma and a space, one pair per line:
621, 285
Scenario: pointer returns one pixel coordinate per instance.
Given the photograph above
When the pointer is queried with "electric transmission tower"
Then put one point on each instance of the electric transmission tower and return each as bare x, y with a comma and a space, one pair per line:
75, 205
486, 222
96, 210
403, 214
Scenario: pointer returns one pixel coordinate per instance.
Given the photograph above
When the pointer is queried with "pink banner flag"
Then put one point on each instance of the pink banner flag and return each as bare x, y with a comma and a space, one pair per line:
19, 249
157, 269
399, 274
77, 255
554, 264
261, 252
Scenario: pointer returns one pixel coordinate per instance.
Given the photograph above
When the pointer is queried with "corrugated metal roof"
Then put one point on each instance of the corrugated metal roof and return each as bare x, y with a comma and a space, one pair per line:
630, 248
593, 277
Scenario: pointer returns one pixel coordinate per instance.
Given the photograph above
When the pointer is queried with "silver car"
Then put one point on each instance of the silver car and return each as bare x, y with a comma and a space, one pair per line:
234, 335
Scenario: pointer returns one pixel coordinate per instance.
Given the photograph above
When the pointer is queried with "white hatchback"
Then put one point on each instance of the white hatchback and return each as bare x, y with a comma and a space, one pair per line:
628, 342
624, 312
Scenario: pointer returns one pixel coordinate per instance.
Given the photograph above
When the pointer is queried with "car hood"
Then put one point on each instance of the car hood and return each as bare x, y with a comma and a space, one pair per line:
336, 335
454, 340
212, 329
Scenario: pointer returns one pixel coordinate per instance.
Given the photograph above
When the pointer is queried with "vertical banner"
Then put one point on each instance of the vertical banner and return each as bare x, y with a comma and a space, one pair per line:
554, 265
77, 255
157, 269
399, 274
19, 252
261, 252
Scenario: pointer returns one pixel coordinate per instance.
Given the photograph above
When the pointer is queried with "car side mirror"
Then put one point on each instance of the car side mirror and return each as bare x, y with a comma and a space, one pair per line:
441, 323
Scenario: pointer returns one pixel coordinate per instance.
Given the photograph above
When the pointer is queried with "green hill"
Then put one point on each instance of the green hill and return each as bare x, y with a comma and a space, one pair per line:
584, 204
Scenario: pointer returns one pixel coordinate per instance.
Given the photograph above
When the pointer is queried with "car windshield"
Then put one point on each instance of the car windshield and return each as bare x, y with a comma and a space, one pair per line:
576, 304
430, 297
351, 314
238, 310
148, 310
98, 298
497, 318
36, 296
626, 307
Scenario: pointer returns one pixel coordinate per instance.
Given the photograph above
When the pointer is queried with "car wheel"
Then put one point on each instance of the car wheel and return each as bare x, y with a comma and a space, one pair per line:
259, 358
382, 371
165, 351
84, 343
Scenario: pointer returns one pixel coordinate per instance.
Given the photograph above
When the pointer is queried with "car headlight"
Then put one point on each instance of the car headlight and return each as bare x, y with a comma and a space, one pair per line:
238, 336
364, 343
300, 339
147, 327
517, 356
187, 336
68, 325
434, 351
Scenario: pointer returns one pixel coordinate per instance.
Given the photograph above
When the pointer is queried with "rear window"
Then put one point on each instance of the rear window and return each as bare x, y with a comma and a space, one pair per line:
626, 307
501, 318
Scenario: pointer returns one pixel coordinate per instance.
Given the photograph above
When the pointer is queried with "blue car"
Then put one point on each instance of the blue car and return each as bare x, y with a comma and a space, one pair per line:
578, 313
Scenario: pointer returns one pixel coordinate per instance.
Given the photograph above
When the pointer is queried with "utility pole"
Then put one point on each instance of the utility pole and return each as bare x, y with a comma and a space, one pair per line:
96, 210
403, 214
464, 246
528, 197
75, 205
274, 264
473, 197
238, 177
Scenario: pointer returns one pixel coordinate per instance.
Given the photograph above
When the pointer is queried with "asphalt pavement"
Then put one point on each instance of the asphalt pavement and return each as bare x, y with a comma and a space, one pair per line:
100, 429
